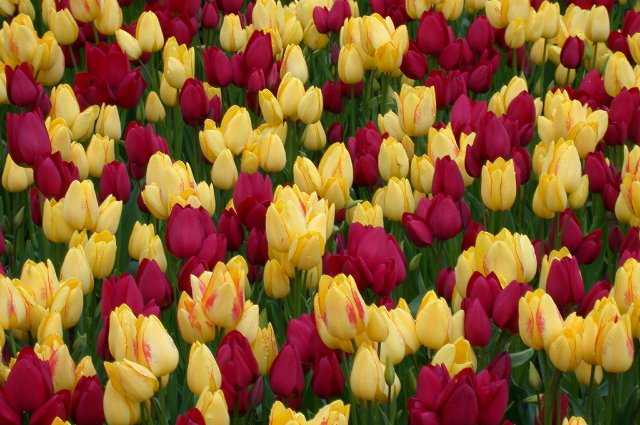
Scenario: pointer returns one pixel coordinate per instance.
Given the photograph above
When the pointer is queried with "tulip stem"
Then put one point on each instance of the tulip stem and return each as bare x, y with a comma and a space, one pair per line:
550, 398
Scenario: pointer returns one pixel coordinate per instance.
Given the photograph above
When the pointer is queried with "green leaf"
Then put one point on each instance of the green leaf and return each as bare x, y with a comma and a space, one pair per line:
521, 357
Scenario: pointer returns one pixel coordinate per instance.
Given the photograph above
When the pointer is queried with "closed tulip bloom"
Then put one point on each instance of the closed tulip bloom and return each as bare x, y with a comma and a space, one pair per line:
109, 18
202, 370
68, 301
109, 215
149, 32
416, 109
367, 214
455, 356
236, 128
156, 350
132, 380
115, 181
395, 199
290, 93
54, 225
14, 177
141, 236
314, 137
598, 29
27, 138
271, 154
101, 151
350, 64
363, 380
100, 250
565, 350
392, 159
286, 376
276, 280
85, 10
540, 321
12, 305
269, 107
572, 51
81, 205
76, 266
340, 305
119, 409
192, 322
224, 173
618, 74
616, 346
310, 106
223, 299
64, 26
265, 348
293, 61
626, 288
306, 175
432, 321
213, 406
498, 186
128, 44
232, 36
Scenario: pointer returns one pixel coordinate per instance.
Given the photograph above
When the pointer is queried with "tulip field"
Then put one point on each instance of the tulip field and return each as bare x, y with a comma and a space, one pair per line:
320, 212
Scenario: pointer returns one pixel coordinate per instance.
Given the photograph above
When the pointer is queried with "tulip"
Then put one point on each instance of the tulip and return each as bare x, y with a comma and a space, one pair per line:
539, 320
498, 185
64, 26
310, 106
447, 178
339, 305
192, 322
128, 44
276, 280
197, 220
53, 176
193, 415
81, 205
86, 401
202, 370
153, 109
505, 307
328, 379
572, 51
224, 173
29, 384
618, 74
101, 253
560, 277
54, 408
27, 138
627, 284
236, 128
286, 376
119, 409
597, 29
153, 284
155, 348
213, 407
455, 356
115, 181
350, 66
232, 36
223, 298
240, 374
432, 321
392, 159
149, 32
265, 348
14, 177
416, 109
565, 350
395, 199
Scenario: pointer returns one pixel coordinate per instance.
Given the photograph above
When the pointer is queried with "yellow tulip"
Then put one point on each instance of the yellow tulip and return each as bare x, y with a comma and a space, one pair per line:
213, 407
498, 186
202, 370
55, 227
118, 409
618, 74
306, 175
224, 172
168, 94
13, 309
276, 280
271, 154
232, 36
223, 298
132, 380
416, 109
155, 348
109, 214
367, 214
68, 301
281, 415
149, 32
269, 107
565, 350
101, 253
364, 378
395, 198
85, 10
81, 205
141, 236
76, 266
50, 326
626, 288
290, 94
293, 61
265, 348
64, 26
109, 18
340, 306
192, 322
54, 351
236, 128
309, 105
64, 104
350, 64
598, 25
313, 137
392, 159
432, 321
334, 413
14, 177
456, 356
108, 123
128, 44
574, 420
539, 320
377, 326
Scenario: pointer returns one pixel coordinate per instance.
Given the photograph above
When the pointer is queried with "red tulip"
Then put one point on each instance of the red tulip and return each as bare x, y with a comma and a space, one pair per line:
334, 134
493, 394
340, 10
213, 250
230, 6
257, 249
303, 335
328, 379
210, 17
505, 306
56, 407
140, 143
364, 149
191, 417
53, 176
445, 283
564, 282
29, 383
86, 402
193, 266
461, 404
8, 415
447, 179
484, 288
480, 77
471, 234
414, 64
194, 104
432, 381
456, 55
115, 181
467, 115
396, 9
187, 228
230, 226
251, 197
117, 290
332, 96
417, 230
258, 53
599, 290
217, 66
241, 381
24, 91
434, 34
477, 327
572, 51
480, 34
154, 285
27, 138
443, 217
286, 376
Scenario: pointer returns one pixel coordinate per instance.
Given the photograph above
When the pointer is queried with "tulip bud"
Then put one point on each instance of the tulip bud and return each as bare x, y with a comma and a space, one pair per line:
14, 177
534, 377
109, 18
149, 32
350, 66
618, 74
392, 159
128, 44
100, 250
498, 186
232, 36
119, 409
213, 406
597, 29
76, 266
377, 329
314, 137
290, 93
153, 108
55, 227
293, 61
64, 26
224, 173
310, 106
236, 128
202, 370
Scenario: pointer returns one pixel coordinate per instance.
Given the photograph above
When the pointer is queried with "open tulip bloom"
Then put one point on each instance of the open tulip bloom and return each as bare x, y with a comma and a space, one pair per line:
320, 212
